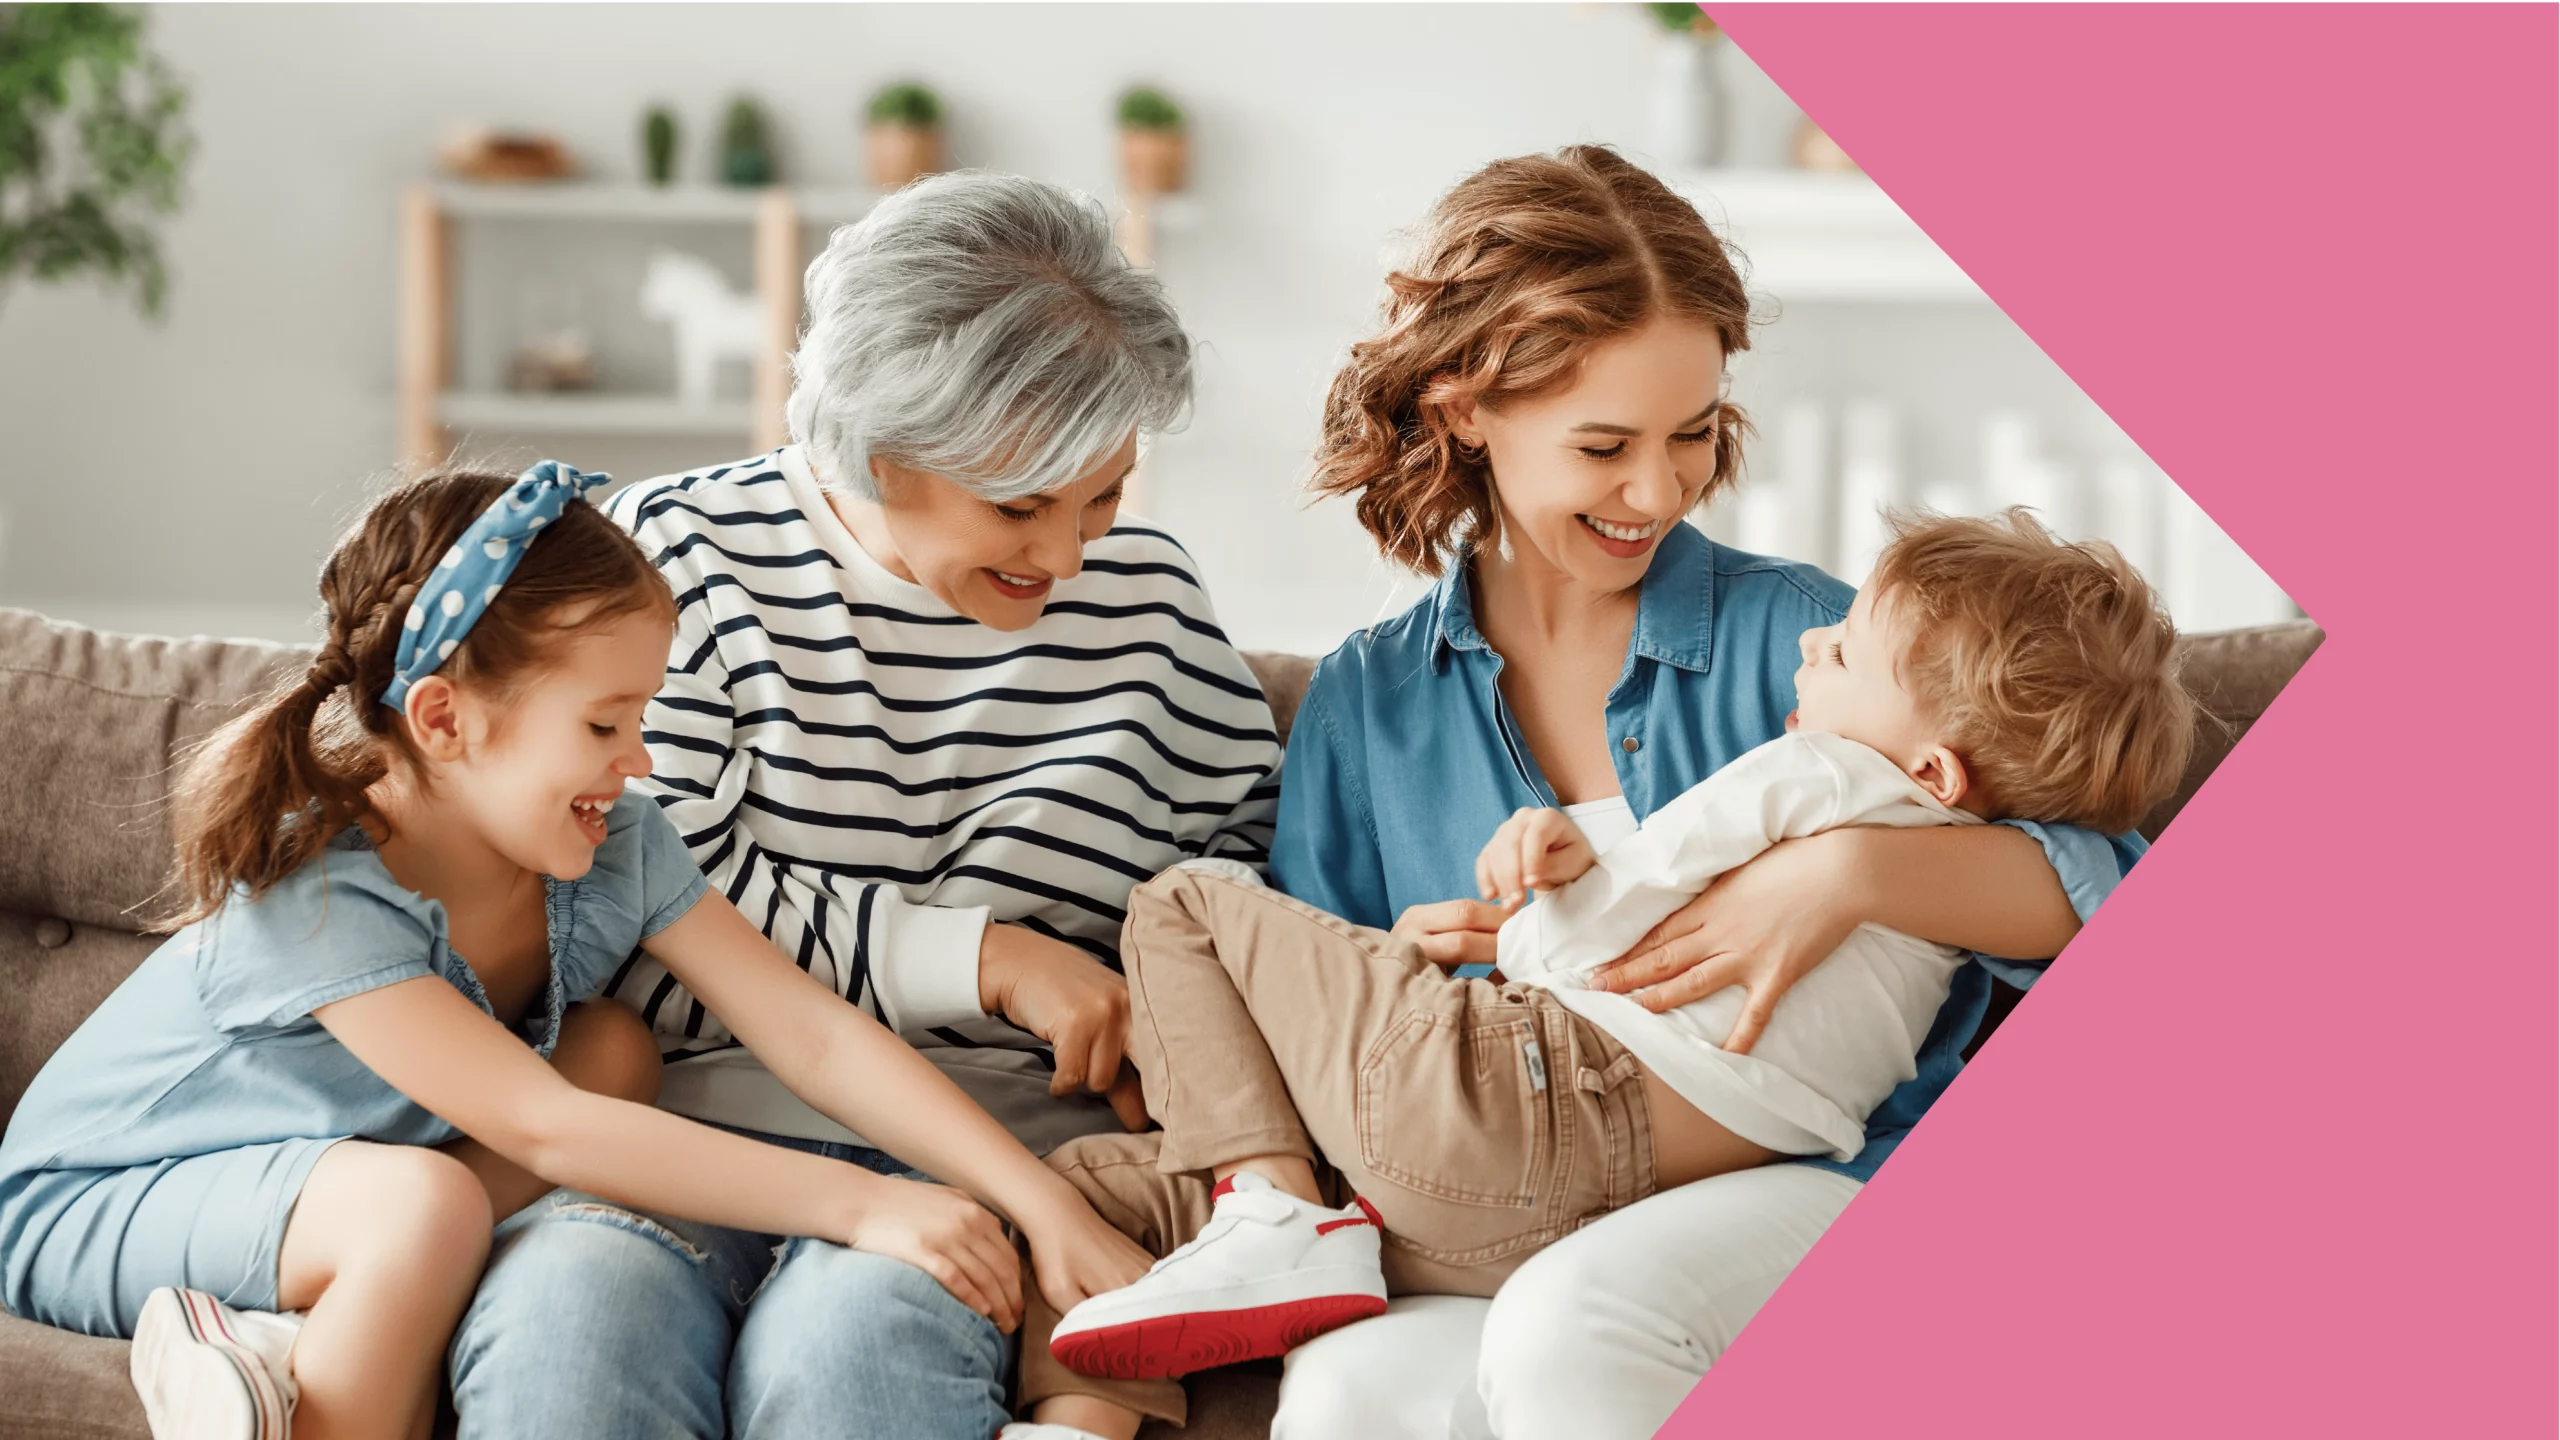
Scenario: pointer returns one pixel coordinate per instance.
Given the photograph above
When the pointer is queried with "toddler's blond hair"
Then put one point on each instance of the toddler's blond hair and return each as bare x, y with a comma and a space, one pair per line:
2052, 667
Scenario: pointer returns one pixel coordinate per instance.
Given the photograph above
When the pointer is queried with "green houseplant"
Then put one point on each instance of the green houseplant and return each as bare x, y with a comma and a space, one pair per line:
658, 144
1680, 17
93, 146
746, 146
1155, 151
902, 135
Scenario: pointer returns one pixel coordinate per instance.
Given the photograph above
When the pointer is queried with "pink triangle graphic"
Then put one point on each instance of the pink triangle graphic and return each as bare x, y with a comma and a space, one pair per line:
2271, 1151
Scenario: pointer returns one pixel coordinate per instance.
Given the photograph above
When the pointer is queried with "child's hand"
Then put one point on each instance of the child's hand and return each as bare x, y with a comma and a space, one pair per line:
1076, 1254
948, 1236
1128, 1097
1534, 850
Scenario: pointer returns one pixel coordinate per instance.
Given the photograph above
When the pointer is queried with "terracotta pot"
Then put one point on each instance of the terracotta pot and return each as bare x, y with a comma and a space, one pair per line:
1153, 162
900, 154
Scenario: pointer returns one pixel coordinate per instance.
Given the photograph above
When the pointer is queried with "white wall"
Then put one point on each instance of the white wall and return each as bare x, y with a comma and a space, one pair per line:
189, 476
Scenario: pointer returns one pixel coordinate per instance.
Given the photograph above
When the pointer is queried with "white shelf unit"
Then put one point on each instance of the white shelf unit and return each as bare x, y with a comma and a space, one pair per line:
430, 410
1816, 236
638, 204
587, 413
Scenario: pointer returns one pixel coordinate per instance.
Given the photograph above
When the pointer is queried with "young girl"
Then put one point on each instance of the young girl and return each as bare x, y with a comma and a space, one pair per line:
399, 875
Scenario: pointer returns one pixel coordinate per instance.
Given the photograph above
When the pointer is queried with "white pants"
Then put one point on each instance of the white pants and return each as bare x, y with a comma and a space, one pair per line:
1600, 1337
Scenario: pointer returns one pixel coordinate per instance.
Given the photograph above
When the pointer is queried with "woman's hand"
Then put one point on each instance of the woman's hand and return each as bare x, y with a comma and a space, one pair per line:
1062, 995
1454, 932
948, 1236
1763, 927
1076, 1254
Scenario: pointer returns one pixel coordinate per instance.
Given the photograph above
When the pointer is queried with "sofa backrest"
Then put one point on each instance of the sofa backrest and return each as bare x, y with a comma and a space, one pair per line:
92, 726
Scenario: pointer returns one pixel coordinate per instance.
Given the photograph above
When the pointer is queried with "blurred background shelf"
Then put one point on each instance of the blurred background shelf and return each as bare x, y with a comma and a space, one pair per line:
588, 414
1822, 236
640, 204
431, 410
1879, 373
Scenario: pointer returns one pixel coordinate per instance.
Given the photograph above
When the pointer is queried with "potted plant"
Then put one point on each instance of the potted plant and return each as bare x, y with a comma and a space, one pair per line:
1154, 151
92, 148
902, 135
746, 145
658, 145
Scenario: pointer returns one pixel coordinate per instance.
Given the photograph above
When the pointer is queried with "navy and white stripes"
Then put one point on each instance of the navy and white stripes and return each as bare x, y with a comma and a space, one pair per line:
872, 778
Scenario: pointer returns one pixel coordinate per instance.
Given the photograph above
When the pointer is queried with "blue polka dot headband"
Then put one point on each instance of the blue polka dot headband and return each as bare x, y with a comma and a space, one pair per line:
458, 591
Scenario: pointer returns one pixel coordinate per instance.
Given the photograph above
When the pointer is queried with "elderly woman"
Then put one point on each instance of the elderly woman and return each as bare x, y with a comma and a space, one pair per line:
932, 710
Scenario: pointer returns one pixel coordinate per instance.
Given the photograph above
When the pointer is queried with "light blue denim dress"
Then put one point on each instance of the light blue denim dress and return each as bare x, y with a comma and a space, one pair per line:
166, 1142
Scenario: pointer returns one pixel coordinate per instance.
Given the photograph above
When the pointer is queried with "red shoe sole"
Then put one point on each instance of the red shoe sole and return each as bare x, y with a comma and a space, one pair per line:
1174, 1345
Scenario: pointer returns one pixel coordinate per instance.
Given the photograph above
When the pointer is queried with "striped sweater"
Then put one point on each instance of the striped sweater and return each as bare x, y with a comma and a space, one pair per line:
873, 778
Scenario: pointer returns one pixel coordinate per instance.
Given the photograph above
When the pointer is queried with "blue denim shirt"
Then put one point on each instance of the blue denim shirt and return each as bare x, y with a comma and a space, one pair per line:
1403, 759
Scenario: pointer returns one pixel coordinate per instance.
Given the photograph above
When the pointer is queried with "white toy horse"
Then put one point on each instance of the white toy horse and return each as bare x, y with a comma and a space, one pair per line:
713, 323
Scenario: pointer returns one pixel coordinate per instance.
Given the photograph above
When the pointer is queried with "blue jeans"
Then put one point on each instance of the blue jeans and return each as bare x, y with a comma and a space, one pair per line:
597, 1321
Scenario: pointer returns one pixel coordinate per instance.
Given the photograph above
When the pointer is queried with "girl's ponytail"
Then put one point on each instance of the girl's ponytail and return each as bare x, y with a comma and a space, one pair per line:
261, 798
268, 791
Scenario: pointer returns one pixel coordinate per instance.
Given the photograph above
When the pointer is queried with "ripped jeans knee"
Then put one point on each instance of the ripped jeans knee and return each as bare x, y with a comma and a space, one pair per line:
587, 1244
569, 1205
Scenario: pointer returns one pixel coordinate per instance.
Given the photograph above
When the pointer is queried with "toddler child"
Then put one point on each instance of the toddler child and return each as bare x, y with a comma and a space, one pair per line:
1986, 671
405, 878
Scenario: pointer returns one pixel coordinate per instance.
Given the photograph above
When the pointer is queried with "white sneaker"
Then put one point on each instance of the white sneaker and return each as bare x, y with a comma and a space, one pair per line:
1267, 1274
1026, 1430
208, 1372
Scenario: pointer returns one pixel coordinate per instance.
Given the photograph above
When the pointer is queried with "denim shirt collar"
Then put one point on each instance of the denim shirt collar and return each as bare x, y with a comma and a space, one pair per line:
1675, 605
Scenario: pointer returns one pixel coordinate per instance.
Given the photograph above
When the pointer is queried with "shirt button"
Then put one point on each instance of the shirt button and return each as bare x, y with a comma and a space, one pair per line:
1631, 744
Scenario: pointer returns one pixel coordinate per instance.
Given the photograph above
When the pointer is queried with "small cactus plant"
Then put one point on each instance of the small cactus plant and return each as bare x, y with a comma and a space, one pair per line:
746, 149
1145, 108
658, 144
908, 104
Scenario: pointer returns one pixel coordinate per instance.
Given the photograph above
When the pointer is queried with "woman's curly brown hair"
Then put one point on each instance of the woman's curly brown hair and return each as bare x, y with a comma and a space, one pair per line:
1521, 269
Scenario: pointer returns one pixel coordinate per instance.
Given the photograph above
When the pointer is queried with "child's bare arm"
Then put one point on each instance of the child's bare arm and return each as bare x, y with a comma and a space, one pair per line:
428, 1042
854, 1070
1534, 850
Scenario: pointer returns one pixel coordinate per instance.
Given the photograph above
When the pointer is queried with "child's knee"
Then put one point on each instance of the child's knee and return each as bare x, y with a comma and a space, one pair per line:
416, 1205
606, 1049
448, 1209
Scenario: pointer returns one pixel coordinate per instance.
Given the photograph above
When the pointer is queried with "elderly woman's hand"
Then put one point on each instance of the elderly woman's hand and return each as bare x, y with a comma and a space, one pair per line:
1763, 927
1062, 995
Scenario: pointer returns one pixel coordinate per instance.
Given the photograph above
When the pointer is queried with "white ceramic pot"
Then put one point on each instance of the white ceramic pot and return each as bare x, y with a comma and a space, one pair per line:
1687, 116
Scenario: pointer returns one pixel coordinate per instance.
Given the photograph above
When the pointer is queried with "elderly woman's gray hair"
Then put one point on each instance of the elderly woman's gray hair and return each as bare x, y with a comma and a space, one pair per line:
987, 329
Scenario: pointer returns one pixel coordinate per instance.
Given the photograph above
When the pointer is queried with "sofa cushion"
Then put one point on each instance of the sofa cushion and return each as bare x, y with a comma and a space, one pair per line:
55, 1385
95, 725
52, 974
1284, 680
2234, 675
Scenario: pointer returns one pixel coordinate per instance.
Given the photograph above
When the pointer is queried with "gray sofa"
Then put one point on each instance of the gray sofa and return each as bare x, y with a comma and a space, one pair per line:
89, 727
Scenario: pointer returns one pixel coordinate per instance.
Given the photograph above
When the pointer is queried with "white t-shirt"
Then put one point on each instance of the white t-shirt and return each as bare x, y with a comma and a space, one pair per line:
1603, 822
1842, 1038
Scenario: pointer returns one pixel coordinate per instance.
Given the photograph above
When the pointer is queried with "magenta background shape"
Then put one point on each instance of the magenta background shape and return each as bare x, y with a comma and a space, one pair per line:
2271, 1150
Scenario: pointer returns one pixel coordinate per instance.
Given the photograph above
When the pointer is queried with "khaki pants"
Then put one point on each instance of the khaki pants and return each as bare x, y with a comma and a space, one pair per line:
1483, 1121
